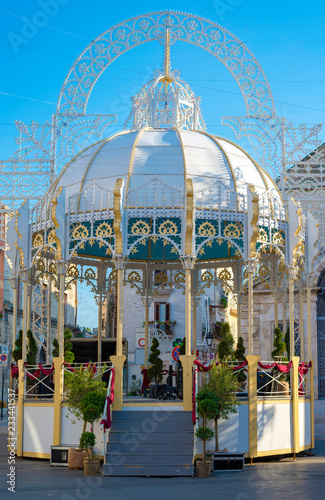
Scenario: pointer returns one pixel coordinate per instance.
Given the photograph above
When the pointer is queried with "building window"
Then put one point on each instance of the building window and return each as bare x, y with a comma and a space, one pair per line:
162, 311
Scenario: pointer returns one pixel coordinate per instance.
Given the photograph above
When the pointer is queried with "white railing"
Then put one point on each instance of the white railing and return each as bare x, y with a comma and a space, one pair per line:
99, 369
276, 384
37, 384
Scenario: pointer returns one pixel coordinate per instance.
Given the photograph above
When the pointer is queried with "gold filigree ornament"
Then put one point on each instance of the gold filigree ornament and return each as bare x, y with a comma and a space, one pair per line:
207, 276
50, 238
90, 274
52, 268
224, 275
262, 235
113, 275
161, 277
134, 277
263, 271
206, 229
278, 238
79, 232
282, 267
140, 227
233, 230
40, 266
179, 277
167, 227
104, 230
73, 271
38, 240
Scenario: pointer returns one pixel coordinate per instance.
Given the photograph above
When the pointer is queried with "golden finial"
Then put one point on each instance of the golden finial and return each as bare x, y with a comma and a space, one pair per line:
167, 79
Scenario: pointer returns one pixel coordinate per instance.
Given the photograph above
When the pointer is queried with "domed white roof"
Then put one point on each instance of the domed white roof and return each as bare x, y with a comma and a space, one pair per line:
172, 155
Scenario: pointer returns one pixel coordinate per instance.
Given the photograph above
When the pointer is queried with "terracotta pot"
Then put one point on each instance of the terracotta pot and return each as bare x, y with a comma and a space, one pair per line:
203, 469
91, 468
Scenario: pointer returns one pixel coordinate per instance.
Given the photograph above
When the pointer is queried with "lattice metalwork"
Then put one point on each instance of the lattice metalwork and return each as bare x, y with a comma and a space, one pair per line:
205, 34
40, 301
277, 142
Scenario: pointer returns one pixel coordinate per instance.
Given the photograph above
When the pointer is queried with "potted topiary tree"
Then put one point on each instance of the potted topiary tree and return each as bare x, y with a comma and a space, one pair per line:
226, 344
207, 406
281, 385
155, 367
239, 354
32, 352
87, 442
222, 382
85, 397
68, 354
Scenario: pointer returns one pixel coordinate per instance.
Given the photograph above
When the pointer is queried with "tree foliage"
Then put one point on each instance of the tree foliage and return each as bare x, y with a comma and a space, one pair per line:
154, 371
278, 344
226, 344
207, 407
88, 440
223, 383
68, 354
240, 356
32, 348
287, 342
85, 394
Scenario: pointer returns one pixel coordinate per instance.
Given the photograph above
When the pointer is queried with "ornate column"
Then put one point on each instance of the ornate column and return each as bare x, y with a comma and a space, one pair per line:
20, 406
252, 362
309, 327
301, 322
29, 305
49, 318
284, 297
194, 333
57, 399
275, 295
239, 283
14, 286
292, 276
24, 278
295, 403
119, 359
99, 300
146, 316
250, 269
60, 323
188, 359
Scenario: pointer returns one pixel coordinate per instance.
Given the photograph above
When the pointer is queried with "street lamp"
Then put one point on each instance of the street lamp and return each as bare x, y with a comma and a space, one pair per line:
209, 339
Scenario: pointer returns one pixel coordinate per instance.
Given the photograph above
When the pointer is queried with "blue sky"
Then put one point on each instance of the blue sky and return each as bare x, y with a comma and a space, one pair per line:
287, 38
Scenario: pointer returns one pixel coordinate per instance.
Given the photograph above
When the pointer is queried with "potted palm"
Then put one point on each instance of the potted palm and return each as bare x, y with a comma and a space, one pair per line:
207, 405
85, 396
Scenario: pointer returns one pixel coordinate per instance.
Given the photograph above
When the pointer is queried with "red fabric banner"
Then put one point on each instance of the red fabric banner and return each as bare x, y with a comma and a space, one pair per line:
203, 368
107, 423
145, 380
281, 368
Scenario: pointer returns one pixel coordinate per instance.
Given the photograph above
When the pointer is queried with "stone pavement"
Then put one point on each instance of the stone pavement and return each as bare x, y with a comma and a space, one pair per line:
285, 479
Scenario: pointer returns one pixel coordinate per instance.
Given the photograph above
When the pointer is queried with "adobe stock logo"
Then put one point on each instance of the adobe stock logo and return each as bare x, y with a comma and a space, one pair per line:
222, 7
30, 27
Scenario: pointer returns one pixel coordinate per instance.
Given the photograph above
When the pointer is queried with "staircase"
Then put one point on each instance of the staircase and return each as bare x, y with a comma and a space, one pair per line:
320, 420
150, 443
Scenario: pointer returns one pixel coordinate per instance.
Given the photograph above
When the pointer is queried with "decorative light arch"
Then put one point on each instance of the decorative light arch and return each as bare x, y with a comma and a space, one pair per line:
219, 42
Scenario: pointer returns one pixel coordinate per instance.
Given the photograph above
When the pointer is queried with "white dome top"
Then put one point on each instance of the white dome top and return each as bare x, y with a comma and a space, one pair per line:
172, 155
